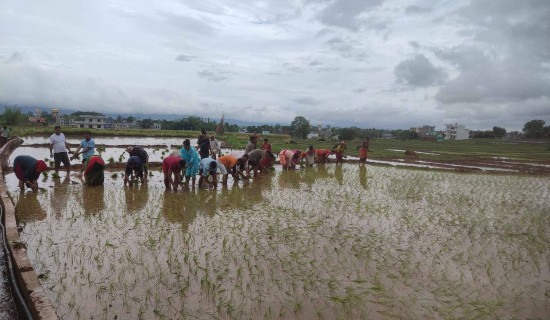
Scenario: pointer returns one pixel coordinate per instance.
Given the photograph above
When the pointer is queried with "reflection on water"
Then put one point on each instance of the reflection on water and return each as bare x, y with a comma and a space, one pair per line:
363, 176
136, 197
177, 208
28, 207
60, 196
339, 174
93, 199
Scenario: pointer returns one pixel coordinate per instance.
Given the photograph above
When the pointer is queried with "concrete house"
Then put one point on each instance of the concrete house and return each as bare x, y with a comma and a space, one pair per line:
456, 132
91, 122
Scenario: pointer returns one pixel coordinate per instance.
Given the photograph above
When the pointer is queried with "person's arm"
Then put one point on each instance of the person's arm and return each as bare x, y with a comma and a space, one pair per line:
67, 146
51, 145
34, 185
76, 152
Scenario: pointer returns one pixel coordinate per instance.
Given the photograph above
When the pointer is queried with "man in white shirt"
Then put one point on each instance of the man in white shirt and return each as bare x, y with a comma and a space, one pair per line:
60, 148
214, 147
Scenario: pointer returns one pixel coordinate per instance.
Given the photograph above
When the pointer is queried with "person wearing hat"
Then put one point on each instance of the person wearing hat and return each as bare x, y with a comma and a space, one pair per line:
138, 151
339, 152
171, 167
27, 170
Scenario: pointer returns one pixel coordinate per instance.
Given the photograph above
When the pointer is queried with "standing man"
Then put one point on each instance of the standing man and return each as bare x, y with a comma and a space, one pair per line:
251, 145
204, 145
27, 170
191, 157
87, 145
5, 135
214, 147
59, 147
137, 151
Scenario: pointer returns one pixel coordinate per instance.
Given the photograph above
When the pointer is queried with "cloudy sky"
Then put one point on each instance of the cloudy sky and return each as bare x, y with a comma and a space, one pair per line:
368, 63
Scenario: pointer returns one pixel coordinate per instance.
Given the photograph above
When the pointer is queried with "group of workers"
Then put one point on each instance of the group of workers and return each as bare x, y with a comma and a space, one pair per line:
205, 160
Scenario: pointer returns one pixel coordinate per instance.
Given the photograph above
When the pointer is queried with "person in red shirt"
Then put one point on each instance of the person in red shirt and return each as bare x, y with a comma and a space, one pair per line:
266, 145
171, 167
322, 155
94, 173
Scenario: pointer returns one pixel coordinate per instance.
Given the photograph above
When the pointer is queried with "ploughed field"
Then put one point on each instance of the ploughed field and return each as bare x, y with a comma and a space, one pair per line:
345, 241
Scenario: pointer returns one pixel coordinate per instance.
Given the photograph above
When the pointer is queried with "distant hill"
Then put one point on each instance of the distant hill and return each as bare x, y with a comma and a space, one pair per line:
154, 116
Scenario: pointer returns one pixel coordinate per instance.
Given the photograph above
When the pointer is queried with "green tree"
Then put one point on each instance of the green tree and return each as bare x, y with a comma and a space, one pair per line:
499, 132
346, 134
12, 116
146, 123
300, 127
534, 129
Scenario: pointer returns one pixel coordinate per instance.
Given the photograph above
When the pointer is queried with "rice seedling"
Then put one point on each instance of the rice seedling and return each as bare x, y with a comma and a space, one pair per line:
415, 244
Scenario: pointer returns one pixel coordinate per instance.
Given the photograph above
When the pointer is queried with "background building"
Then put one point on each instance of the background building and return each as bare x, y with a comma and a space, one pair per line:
91, 122
424, 130
456, 132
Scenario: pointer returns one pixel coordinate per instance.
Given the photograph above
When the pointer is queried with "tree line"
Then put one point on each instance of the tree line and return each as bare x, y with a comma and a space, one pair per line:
300, 127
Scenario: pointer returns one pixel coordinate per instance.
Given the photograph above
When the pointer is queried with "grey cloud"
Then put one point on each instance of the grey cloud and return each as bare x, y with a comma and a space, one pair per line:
337, 44
411, 10
211, 76
419, 72
183, 57
414, 44
189, 24
345, 13
359, 90
315, 63
323, 32
489, 79
306, 101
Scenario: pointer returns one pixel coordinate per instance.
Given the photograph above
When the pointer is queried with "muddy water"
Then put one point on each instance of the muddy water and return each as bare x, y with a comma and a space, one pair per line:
115, 141
330, 241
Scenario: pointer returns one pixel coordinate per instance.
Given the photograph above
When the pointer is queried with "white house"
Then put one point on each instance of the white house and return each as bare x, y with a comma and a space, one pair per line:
456, 132
91, 122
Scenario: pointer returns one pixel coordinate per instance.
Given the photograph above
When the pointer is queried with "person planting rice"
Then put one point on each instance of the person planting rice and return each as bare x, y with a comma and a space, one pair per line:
27, 170
191, 158
134, 169
268, 160
363, 151
138, 151
310, 156
94, 173
171, 167
266, 145
87, 145
289, 158
228, 164
254, 160
208, 167
321, 155
339, 151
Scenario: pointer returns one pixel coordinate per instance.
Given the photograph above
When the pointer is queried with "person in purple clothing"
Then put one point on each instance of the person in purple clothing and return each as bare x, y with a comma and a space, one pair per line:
134, 165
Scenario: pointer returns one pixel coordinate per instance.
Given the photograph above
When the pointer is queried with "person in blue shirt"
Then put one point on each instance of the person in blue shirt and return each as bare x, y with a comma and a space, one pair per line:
192, 159
208, 166
88, 146
134, 165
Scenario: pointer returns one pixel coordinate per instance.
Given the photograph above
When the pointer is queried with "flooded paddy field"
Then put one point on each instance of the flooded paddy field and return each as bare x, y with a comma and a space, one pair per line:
348, 241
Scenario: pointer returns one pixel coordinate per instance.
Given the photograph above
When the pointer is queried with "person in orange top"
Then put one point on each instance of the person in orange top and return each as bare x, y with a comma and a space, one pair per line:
266, 145
364, 150
322, 155
228, 164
